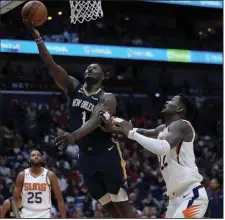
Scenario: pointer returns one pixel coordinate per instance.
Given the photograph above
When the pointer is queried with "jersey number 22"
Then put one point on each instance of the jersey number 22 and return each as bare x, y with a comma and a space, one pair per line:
163, 162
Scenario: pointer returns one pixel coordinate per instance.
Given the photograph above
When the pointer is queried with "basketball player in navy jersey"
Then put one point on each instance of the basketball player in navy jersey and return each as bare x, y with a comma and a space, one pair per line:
100, 155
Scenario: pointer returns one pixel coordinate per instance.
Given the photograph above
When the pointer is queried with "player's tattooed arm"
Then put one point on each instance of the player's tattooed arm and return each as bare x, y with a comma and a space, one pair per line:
16, 200
107, 103
62, 79
179, 131
58, 194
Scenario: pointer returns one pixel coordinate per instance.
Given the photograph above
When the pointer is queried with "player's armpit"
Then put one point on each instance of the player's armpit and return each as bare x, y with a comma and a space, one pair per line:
17, 194
5, 208
58, 194
178, 131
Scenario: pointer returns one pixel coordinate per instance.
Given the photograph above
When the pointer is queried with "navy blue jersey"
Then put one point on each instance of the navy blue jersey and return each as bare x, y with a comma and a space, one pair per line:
100, 157
81, 106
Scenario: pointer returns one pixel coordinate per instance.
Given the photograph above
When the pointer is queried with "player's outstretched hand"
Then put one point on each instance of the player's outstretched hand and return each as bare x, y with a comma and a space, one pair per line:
35, 33
125, 126
64, 140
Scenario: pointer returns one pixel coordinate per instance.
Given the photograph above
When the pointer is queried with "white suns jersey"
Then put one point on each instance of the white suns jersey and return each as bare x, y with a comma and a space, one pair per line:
178, 166
36, 193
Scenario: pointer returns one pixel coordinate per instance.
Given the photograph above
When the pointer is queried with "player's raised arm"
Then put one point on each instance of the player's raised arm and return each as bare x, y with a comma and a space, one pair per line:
107, 103
58, 194
16, 200
62, 79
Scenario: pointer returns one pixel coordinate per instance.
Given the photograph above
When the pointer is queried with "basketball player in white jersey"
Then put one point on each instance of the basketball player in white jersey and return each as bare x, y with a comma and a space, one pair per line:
33, 186
175, 150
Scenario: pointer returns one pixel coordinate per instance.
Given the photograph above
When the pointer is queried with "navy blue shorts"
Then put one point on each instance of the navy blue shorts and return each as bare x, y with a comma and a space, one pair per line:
105, 173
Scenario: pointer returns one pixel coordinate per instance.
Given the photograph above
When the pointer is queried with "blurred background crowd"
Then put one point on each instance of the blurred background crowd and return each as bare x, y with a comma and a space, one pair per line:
135, 23
35, 111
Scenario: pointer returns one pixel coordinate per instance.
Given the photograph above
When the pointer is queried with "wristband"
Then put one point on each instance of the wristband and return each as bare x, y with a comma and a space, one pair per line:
131, 134
135, 129
38, 41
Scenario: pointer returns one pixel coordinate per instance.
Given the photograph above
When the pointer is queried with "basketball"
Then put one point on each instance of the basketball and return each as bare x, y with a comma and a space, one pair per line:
35, 12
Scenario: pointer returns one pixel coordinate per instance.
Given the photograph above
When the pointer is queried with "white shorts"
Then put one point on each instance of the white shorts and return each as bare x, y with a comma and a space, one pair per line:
192, 203
27, 213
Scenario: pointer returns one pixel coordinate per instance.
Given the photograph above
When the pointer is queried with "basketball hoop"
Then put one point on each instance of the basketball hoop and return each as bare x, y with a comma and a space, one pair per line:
85, 11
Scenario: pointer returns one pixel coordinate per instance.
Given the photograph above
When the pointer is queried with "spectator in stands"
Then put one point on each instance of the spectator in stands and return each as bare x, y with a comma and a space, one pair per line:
5, 172
215, 199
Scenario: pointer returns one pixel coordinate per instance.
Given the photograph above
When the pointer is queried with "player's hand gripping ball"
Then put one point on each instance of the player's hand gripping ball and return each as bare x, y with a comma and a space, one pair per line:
35, 13
35, 33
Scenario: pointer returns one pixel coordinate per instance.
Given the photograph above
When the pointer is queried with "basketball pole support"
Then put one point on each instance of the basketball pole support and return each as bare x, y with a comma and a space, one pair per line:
6, 6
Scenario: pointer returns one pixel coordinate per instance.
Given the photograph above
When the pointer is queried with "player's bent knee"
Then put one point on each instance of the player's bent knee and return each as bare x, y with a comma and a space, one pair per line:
120, 197
105, 199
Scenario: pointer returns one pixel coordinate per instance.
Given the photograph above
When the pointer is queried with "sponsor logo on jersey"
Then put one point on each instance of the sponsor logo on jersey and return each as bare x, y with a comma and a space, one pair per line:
186, 195
110, 148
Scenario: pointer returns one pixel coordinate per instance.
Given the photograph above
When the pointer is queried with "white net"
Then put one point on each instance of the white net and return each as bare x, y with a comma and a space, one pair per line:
85, 11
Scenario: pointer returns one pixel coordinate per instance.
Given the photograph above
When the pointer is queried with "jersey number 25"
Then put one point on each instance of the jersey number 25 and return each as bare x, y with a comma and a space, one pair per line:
34, 197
